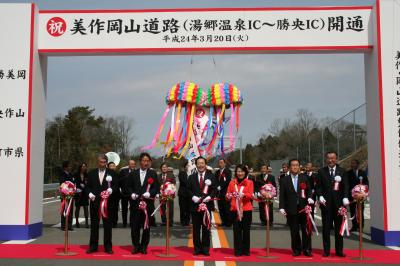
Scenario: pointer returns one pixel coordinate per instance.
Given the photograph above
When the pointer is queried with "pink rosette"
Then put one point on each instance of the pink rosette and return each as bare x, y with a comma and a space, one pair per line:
360, 192
268, 192
167, 191
67, 190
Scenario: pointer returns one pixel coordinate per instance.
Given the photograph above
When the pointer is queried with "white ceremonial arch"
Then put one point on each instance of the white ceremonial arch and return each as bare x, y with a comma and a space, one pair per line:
29, 36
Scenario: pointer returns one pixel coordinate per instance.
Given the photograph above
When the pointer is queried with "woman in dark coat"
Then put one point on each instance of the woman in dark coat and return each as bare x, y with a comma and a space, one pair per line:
81, 198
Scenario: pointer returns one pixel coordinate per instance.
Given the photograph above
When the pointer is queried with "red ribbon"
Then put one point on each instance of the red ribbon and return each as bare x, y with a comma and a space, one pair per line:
266, 209
206, 215
103, 210
143, 207
65, 208
310, 221
344, 227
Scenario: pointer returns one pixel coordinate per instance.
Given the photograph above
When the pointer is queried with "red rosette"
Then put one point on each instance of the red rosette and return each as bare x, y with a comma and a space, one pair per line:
150, 181
303, 186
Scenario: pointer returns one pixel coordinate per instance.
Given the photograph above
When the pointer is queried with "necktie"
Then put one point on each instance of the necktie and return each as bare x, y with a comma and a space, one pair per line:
101, 176
201, 181
331, 173
295, 183
163, 178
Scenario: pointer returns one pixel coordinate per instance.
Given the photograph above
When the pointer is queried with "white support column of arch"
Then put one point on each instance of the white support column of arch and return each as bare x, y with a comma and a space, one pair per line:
383, 122
22, 118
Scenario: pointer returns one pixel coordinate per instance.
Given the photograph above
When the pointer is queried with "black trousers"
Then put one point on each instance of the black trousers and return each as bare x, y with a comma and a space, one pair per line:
329, 216
151, 207
164, 212
137, 224
353, 212
201, 234
263, 219
241, 233
224, 210
124, 209
71, 214
94, 228
114, 209
184, 210
298, 222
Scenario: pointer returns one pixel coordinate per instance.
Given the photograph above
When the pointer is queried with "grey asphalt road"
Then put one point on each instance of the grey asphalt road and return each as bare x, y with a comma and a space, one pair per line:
280, 238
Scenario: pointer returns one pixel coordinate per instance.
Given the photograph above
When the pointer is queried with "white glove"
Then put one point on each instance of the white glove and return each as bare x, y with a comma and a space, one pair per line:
282, 211
338, 178
228, 196
241, 194
219, 188
258, 194
207, 199
91, 196
157, 196
195, 199
78, 190
82, 185
109, 190
322, 200
310, 201
146, 195
346, 201
134, 196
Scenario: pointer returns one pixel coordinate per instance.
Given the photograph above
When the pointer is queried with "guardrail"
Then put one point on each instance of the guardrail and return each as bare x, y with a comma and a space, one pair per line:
50, 187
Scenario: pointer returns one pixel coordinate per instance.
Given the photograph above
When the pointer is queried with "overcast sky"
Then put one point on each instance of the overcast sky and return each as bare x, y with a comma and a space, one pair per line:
274, 85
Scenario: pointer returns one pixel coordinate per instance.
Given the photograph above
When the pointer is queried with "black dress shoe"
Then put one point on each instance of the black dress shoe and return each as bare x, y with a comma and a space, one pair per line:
307, 254
340, 255
325, 254
237, 254
296, 254
135, 251
144, 251
109, 251
70, 229
246, 253
124, 225
196, 253
354, 229
91, 250
206, 253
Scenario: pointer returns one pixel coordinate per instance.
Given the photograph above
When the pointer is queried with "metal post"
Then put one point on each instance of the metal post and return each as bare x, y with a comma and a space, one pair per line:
354, 130
309, 149
323, 147
240, 150
337, 140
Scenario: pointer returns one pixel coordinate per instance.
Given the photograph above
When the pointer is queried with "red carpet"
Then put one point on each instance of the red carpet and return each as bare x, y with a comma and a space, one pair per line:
47, 251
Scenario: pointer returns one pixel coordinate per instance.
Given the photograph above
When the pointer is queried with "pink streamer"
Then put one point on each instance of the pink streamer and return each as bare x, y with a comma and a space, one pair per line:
160, 127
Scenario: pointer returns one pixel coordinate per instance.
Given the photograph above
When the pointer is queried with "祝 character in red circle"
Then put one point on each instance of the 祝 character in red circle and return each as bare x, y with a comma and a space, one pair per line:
56, 26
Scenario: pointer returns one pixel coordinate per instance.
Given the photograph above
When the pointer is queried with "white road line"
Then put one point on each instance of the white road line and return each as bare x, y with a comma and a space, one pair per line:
19, 241
216, 243
393, 247
73, 223
47, 202
199, 263
220, 263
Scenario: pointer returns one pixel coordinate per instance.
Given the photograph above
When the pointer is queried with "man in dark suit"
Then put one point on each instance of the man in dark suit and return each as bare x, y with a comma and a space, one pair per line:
261, 180
66, 175
115, 196
184, 196
197, 186
223, 176
332, 192
312, 180
295, 195
97, 183
141, 189
356, 176
166, 176
123, 176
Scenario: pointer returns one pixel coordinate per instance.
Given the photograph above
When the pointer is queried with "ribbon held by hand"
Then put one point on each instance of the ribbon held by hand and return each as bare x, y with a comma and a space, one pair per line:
344, 227
143, 207
103, 211
310, 221
206, 215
